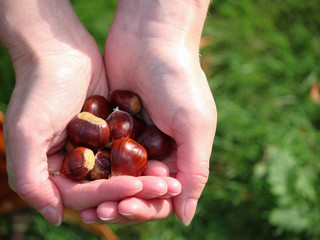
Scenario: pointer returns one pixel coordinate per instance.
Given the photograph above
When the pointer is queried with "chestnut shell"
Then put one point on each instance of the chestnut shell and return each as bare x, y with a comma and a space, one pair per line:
78, 163
127, 158
126, 100
122, 125
98, 106
102, 166
87, 130
158, 144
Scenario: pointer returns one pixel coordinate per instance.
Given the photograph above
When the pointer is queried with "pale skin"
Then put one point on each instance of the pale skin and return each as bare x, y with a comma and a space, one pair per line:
151, 49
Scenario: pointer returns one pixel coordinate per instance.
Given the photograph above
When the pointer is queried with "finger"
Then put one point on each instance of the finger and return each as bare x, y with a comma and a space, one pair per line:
142, 210
89, 216
54, 162
82, 195
174, 187
153, 187
171, 162
158, 187
156, 168
107, 212
28, 176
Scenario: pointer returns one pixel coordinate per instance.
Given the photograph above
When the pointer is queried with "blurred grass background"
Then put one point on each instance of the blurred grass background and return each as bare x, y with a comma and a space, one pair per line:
261, 58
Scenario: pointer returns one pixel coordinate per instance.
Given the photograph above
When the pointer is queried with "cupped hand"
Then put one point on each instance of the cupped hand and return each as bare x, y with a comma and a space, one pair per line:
144, 57
54, 75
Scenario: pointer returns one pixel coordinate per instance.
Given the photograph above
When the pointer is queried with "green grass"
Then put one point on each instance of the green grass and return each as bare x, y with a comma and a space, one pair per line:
264, 177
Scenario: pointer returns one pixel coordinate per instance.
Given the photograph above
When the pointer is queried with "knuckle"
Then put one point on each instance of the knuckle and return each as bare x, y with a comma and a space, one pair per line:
200, 178
27, 190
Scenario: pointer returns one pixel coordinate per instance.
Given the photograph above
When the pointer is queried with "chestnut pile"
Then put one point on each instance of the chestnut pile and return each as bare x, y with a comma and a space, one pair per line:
112, 138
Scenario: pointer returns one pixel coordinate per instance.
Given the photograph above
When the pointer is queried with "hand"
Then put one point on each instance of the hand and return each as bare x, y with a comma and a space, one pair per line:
57, 65
158, 59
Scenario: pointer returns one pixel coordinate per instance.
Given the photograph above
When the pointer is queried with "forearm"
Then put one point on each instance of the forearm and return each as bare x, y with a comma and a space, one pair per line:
25, 25
178, 21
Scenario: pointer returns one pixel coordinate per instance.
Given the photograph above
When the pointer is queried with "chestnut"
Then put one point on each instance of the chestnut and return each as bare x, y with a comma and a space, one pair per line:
146, 116
158, 144
102, 166
98, 106
126, 100
78, 163
121, 124
127, 157
87, 130
139, 124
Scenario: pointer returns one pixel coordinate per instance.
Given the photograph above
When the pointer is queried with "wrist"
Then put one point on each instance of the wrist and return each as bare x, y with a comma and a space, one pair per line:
181, 22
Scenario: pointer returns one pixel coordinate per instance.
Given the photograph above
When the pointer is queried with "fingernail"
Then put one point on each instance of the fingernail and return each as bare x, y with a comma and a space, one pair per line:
51, 215
189, 210
127, 215
107, 219
90, 222
97, 222
170, 195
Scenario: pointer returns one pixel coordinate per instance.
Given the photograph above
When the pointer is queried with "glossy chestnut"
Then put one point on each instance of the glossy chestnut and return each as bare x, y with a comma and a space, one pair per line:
87, 130
121, 124
102, 166
157, 144
98, 106
127, 158
78, 163
126, 100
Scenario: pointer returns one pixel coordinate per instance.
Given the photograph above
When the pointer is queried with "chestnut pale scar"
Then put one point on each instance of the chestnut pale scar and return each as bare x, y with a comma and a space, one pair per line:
89, 159
91, 118
135, 103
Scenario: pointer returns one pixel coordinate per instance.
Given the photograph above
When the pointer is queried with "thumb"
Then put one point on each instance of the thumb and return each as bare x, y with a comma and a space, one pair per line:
29, 177
193, 175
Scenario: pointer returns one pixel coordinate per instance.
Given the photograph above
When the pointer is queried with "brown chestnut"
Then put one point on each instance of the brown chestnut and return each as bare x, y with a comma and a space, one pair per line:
78, 163
126, 100
98, 106
127, 158
146, 116
157, 143
139, 125
102, 166
121, 124
87, 130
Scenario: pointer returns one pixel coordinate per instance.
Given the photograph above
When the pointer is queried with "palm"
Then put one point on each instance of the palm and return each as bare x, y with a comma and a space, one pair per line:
70, 79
